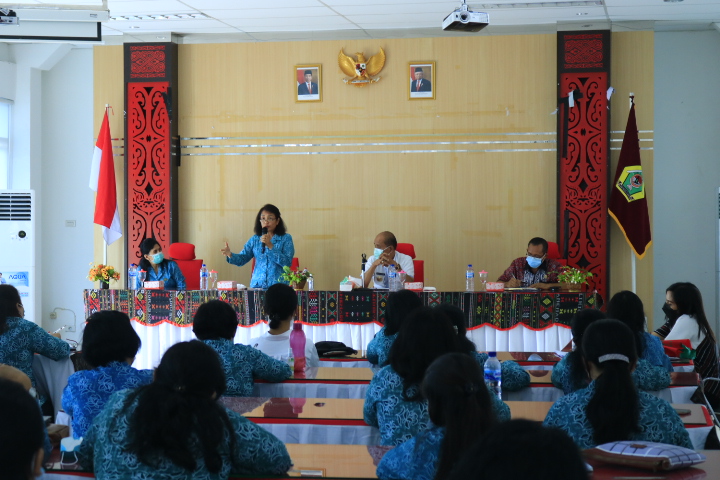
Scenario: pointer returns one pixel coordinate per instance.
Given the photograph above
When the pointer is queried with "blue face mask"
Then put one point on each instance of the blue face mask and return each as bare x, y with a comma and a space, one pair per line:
158, 258
378, 251
534, 262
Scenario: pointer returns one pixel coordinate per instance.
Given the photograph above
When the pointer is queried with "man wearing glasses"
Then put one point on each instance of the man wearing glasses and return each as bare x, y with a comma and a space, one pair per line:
534, 270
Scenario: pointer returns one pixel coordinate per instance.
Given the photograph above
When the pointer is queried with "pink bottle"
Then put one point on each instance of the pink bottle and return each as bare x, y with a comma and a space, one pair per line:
297, 404
297, 343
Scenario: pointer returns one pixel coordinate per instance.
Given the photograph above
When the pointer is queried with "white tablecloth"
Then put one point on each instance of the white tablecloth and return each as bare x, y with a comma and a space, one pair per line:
310, 390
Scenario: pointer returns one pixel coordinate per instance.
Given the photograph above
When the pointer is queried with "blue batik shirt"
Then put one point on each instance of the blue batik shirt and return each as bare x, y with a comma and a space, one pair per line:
647, 377
398, 419
22, 340
654, 352
269, 264
243, 364
416, 459
514, 377
658, 420
169, 272
88, 391
104, 449
379, 348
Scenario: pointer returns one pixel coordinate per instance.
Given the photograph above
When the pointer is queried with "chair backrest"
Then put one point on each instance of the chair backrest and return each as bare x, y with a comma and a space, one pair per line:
409, 249
184, 256
406, 249
554, 253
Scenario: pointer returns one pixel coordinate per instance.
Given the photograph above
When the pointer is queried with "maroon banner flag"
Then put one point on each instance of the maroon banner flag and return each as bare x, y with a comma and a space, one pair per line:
628, 205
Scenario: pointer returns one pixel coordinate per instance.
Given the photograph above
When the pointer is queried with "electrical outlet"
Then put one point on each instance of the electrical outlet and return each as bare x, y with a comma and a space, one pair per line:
53, 316
70, 328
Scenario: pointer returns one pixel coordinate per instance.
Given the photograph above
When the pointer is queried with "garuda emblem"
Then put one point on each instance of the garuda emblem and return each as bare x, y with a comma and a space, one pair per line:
361, 72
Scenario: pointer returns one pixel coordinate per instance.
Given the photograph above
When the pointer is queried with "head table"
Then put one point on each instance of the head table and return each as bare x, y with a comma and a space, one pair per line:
503, 321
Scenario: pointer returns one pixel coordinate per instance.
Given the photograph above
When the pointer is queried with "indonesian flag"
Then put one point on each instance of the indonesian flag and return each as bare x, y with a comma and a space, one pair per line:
102, 181
628, 205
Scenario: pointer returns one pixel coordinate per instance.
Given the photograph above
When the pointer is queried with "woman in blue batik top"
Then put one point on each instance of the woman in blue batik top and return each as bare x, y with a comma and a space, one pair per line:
109, 346
460, 408
175, 429
157, 267
399, 306
393, 401
215, 324
271, 247
570, 373
20, 339
611, 408
514, 377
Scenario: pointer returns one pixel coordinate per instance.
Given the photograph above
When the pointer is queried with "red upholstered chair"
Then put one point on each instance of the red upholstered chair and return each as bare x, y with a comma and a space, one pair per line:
409, 249
554, 253
184, 256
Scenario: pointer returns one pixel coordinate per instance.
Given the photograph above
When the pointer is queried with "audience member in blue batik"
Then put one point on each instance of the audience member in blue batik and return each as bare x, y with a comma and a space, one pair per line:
20, 339
109, 347
271, 247
175, 429
514, 377
628, 308
21, 434
594, 415
157, 267
393, 402
547, 454
215, 323
399, 306
461, 410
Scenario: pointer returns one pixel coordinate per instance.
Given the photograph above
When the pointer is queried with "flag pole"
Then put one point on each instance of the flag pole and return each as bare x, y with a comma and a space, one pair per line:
633, 260
105, 245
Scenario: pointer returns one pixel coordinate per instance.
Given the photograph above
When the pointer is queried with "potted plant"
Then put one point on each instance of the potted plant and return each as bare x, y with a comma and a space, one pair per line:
296, 278
103, 274
573, 278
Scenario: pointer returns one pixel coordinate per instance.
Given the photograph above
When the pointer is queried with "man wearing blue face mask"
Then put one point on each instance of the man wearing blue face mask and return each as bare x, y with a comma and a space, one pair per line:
534, 270
384, 257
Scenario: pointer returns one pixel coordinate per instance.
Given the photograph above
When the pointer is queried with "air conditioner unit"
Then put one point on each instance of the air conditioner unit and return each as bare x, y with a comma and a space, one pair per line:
17, 246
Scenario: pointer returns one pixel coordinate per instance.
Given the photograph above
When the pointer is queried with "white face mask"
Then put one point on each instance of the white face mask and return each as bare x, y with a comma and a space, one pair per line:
379, 251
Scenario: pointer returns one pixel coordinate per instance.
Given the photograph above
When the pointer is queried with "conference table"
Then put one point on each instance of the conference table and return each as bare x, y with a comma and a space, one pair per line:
496, 321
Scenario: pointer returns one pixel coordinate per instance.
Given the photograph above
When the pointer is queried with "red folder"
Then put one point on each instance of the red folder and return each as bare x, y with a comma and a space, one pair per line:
674, 347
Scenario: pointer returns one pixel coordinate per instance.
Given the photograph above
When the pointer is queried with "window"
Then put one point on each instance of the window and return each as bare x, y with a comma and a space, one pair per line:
5, 108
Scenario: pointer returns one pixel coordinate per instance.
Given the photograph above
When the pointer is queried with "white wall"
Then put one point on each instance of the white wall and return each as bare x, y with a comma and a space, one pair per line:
687, 164
67, 144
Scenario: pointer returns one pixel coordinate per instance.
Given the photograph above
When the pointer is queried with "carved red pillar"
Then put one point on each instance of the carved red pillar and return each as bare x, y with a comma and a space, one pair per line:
584, 152
151, 145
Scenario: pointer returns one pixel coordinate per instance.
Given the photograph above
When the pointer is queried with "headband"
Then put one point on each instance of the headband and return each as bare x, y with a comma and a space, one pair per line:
613, 356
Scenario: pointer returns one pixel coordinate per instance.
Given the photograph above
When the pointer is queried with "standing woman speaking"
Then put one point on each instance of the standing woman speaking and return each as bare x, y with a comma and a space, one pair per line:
271, 246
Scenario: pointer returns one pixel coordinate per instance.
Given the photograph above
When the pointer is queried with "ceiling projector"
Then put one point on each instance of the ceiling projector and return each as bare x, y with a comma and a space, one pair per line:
463, 20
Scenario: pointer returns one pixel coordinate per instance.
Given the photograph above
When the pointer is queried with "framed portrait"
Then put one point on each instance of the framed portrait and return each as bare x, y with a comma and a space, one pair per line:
422, 81
308, 83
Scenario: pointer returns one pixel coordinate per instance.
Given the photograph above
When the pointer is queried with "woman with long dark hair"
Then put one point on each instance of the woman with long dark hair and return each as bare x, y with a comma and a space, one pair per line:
686, 319
514, 377
157, 267
175, 428
399, 306
20, 339
22, 433
271, 247
393, 401
611, 408
461, 410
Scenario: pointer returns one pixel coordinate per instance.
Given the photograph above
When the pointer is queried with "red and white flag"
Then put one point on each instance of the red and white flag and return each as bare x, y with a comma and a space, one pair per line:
102, 181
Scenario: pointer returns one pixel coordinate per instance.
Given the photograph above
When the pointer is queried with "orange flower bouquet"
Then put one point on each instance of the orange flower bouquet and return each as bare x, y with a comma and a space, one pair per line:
103, 273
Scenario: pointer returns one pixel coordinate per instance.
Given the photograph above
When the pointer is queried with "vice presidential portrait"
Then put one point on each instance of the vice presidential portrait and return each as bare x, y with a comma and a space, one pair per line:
422, 77
308, 83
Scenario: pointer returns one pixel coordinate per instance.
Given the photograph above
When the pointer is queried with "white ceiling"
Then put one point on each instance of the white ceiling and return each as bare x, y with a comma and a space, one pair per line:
258, 20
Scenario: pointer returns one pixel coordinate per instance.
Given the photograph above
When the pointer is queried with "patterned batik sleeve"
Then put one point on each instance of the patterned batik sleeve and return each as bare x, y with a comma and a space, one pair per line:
416, 459
47, 345
502, 411
655, 353
372, 396
67, 397
511, 272
266, 367
177, 276
257, 451
283, 251
514, 377
372, 347
649, 377
561, 375
245, 255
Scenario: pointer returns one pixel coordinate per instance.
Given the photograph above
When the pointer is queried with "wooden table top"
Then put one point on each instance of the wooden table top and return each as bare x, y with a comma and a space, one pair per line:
677, 379
332, 375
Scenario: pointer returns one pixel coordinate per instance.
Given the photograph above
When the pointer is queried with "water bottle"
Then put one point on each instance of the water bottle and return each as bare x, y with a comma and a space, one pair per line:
132, 277
297, 345
141, 276
203, 277
470, 279
493, 375
392, 279
311, 283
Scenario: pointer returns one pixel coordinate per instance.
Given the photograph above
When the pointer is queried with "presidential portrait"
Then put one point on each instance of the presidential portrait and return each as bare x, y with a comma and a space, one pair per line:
307, 83
422, 80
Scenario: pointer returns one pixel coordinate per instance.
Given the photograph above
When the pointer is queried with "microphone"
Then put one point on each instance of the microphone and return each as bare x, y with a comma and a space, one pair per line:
264, 232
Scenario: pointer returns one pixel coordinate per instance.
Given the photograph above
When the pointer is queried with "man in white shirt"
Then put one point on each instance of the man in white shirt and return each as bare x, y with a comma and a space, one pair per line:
385, 255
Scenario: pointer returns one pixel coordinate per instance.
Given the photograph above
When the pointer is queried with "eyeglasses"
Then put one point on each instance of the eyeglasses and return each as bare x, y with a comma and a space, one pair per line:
267, 219
535, 256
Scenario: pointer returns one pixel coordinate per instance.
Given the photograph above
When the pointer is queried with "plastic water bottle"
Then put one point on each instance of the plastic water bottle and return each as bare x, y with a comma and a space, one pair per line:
392, 279
297, 345
203, 277
132, 277
493, 375
470, 279
141, 276
311, 283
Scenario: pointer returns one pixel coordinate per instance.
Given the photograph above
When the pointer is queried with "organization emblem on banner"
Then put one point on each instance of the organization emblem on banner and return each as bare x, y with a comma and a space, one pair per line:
630, 183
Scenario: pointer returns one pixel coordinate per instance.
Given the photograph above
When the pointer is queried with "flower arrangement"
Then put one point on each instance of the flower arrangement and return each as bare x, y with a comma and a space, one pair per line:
295, 277
573, 275
102, 273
